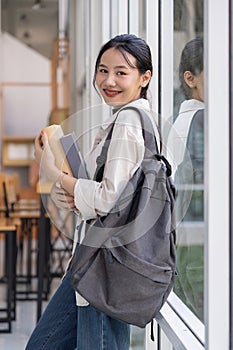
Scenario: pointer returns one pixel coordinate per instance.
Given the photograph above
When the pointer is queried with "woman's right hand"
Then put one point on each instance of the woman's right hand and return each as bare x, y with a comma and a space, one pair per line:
44, 156
41, 146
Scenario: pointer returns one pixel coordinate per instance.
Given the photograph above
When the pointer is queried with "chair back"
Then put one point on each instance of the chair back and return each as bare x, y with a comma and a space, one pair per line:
4, 195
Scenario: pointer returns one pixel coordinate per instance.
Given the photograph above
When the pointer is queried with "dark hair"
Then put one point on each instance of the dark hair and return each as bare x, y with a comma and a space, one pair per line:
191, 60
133, 45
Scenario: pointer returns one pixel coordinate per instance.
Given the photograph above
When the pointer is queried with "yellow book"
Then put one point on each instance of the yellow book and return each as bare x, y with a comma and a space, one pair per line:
54, 133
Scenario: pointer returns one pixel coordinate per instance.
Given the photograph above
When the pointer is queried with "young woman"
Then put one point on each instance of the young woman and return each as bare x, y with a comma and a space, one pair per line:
122, 75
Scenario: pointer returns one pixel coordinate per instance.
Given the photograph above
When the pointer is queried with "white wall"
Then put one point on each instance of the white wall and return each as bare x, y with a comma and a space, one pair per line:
25, 107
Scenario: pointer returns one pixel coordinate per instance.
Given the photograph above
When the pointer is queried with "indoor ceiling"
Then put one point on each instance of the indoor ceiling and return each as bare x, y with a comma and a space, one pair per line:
34, 22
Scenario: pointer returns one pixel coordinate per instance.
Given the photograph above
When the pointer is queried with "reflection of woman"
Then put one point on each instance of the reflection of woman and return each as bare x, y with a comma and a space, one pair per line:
189, 126
192, 83
122, 75
186, 141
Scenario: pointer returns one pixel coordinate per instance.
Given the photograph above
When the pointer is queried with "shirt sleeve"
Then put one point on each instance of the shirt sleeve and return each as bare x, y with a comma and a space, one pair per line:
125, 154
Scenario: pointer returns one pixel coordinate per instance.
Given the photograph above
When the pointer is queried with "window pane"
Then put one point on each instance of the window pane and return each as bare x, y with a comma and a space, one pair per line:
186, 144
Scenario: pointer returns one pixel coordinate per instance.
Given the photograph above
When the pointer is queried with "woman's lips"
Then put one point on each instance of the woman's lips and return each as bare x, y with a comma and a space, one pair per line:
111, 93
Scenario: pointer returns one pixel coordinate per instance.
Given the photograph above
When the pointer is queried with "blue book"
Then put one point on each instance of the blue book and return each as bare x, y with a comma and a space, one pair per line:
74, 155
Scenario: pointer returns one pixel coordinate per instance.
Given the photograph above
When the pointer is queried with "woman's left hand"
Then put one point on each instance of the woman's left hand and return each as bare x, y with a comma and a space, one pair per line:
62, 199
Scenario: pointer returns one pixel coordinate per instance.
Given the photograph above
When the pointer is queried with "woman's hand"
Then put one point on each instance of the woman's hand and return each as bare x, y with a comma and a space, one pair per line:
62, 199
45, 157
42, 147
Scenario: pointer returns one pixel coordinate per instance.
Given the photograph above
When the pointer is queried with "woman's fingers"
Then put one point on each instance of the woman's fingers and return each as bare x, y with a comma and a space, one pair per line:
62, 199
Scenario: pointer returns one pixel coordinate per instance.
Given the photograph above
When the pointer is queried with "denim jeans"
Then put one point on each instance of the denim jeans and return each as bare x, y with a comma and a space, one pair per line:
57, 327
64, 326
98, 331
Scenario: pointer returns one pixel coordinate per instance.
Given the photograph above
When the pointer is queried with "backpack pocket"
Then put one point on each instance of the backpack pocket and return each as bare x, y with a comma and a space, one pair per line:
129, 290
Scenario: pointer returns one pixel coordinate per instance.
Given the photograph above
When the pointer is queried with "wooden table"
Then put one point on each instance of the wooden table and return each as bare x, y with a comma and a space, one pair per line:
9, 229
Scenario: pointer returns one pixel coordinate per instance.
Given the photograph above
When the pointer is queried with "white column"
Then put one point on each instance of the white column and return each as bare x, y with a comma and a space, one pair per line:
119, 17
152, 38
105, 20
134, 17
167, 58
217, 261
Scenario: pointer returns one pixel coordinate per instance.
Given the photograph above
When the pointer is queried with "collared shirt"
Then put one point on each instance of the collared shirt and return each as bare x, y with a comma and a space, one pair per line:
125, 154
177, 138
186, 154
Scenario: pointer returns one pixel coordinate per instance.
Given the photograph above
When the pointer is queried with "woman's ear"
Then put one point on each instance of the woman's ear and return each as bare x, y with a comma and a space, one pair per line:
146, 78
189, 79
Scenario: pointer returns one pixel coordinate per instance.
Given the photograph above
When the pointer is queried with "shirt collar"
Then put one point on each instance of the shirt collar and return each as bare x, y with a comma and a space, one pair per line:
191, 105
141, 103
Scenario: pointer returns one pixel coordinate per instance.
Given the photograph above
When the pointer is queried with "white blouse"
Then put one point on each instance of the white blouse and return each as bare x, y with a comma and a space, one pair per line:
178, 134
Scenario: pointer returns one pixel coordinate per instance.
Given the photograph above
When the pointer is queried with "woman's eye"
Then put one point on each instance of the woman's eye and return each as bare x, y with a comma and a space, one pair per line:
121, 73
102, 70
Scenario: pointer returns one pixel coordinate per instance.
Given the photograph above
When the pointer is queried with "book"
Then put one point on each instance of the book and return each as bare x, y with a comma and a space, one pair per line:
74, 155
54, 133
65, 148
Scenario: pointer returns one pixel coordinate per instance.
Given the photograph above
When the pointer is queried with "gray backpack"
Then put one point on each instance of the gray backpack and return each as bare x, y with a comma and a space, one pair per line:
125, 265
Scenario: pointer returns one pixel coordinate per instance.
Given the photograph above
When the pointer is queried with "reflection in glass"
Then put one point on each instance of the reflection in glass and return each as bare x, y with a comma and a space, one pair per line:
186, 143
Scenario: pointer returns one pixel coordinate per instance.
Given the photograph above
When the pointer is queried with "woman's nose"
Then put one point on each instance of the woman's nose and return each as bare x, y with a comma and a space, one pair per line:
110, 80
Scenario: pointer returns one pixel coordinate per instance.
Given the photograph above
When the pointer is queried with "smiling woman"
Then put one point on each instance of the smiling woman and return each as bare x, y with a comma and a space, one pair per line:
132, 61
118, 78
122, 75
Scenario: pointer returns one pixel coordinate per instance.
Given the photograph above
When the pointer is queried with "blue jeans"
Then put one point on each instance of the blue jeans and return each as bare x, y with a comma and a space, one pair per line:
57, 327
98, 331
64, 326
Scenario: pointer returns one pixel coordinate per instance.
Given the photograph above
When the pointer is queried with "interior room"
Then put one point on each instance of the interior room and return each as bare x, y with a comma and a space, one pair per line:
48, 50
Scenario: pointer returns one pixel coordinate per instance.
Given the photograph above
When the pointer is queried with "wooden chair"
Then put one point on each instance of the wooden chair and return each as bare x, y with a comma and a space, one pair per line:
28, 216
2, 196
17, 201
8, 229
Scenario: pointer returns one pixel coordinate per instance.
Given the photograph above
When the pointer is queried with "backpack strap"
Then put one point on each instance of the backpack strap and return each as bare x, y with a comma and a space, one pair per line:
150, 141
101, 159
147, 131
152, 337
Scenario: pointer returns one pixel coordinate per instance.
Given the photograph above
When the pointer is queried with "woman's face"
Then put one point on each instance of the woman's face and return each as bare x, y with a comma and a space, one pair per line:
118, 82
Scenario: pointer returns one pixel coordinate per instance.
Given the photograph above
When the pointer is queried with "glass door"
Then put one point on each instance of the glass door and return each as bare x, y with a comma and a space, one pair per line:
186, 148
194, 106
